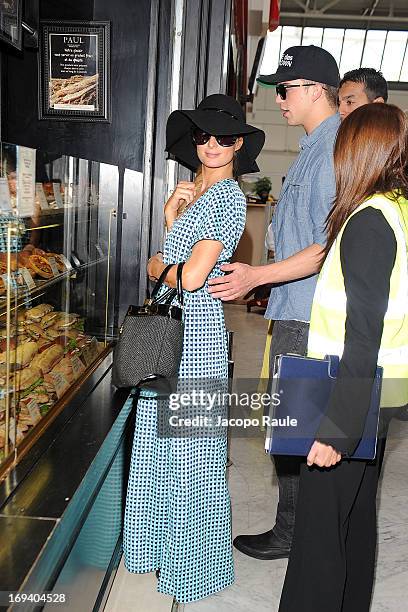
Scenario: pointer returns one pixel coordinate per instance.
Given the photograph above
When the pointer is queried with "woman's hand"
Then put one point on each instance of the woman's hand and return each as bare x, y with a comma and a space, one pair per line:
155, 266
183, 191
323, 455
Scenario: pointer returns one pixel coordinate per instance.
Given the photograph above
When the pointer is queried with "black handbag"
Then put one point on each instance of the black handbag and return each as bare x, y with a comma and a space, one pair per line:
150, 340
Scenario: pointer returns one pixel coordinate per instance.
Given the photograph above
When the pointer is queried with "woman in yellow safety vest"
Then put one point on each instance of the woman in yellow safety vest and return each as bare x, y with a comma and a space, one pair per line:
360, 312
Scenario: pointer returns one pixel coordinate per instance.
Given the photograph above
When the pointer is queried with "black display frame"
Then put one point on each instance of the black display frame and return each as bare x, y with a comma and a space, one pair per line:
98, 32
11, 16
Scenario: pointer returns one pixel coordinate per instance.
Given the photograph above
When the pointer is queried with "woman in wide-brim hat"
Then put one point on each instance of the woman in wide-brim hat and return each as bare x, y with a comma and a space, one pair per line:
218, 115
177, 517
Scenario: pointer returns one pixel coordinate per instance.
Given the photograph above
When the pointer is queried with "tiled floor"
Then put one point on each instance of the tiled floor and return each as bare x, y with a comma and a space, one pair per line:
136, 593
254, 493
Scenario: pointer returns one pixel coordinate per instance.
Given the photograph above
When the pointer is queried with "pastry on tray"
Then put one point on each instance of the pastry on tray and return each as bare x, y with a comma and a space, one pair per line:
41, 266
36, 314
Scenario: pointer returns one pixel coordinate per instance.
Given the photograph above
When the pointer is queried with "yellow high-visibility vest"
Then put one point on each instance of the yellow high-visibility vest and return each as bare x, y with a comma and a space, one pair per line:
328, 317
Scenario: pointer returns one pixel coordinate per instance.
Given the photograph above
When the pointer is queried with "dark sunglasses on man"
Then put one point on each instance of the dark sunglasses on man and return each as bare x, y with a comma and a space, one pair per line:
282, 88
201, 138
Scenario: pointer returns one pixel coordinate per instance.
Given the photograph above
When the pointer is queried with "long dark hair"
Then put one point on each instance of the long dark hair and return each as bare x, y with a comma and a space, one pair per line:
370, 156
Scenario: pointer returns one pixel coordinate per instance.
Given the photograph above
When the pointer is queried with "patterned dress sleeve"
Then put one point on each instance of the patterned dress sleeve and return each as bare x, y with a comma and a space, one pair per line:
223, 218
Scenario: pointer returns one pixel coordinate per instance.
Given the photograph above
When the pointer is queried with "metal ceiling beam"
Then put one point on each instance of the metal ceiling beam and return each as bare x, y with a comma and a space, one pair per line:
347, 17
329, 5
372, 9
299, 3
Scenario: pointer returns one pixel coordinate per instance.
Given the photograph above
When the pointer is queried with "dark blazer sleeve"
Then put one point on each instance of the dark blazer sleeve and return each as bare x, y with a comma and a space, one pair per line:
367, 251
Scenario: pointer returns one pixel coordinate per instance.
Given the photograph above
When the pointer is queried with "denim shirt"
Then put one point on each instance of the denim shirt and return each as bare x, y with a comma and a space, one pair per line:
300, 215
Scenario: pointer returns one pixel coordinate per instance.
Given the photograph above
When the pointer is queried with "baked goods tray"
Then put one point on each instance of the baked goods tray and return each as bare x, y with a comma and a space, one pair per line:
22, 294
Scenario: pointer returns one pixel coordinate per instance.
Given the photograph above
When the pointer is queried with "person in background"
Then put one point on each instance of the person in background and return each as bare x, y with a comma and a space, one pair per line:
360, 313
361, 86
358, 87
306, 81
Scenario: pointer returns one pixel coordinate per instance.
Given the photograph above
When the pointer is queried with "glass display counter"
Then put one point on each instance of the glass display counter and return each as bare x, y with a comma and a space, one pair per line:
57, 284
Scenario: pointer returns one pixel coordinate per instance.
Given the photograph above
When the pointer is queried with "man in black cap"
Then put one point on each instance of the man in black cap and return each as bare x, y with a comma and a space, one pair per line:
306, 91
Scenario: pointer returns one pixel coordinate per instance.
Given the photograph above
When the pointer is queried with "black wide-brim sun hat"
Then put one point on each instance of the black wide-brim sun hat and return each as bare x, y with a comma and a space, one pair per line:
218, 115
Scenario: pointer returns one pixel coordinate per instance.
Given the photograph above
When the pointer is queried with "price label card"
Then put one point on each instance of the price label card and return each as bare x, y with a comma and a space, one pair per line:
60, 383
78, 367
5, 279
5, 200
28, 279
25, 181
66, 261
18, 279
93, 350
40, 195
10, 282
86, 354
94, 346
53, 265
12, 430
75, 259
34, 411
90, 351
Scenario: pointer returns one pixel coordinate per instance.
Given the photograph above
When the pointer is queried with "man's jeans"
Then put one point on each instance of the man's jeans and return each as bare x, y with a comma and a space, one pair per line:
287, 337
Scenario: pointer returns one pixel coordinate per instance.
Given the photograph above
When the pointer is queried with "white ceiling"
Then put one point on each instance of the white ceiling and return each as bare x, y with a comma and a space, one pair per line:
384, 50
390, 14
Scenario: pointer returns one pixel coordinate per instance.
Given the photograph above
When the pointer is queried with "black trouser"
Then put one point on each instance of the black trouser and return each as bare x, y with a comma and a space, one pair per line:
331, 564
287, 337
292, 337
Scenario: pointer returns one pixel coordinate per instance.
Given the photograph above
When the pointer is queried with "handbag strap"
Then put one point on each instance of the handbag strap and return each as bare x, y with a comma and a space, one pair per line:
180, 283
170, 294
167, 297
160, 281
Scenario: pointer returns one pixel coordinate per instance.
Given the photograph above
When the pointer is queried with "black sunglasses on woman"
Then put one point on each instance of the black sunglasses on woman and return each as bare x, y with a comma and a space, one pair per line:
200, 137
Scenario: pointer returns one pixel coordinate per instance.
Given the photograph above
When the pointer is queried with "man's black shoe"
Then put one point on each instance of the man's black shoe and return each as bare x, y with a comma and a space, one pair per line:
264, 546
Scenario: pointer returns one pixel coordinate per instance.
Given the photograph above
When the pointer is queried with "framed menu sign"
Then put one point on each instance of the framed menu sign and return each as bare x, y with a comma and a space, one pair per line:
10, 22
75, 71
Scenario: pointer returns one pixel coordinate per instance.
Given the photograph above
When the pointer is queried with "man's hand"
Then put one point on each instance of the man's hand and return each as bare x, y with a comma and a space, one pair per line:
239, 282
323, 455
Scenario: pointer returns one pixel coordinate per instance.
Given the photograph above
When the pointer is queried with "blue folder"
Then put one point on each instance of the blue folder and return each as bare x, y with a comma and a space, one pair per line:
303, 386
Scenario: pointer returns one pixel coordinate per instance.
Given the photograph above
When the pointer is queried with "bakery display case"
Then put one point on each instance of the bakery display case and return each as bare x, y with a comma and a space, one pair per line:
57, 286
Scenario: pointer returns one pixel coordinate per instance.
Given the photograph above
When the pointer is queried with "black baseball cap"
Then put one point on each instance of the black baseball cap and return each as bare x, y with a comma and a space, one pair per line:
308, 62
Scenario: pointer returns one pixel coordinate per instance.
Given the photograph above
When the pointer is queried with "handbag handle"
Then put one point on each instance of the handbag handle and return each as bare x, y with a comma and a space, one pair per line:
180, 283
170, 293
160, 280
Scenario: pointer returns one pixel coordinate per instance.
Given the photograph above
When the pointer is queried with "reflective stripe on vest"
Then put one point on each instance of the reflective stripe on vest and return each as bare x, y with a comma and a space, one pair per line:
327, 324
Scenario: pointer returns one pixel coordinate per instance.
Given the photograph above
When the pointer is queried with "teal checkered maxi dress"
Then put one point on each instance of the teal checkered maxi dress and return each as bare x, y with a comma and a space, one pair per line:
177, 515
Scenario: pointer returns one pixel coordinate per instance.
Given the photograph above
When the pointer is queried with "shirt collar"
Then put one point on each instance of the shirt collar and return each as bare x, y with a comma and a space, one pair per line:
308, 140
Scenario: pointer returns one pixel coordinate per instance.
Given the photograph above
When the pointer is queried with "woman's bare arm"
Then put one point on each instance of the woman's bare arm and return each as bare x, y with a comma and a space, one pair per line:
204, 256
